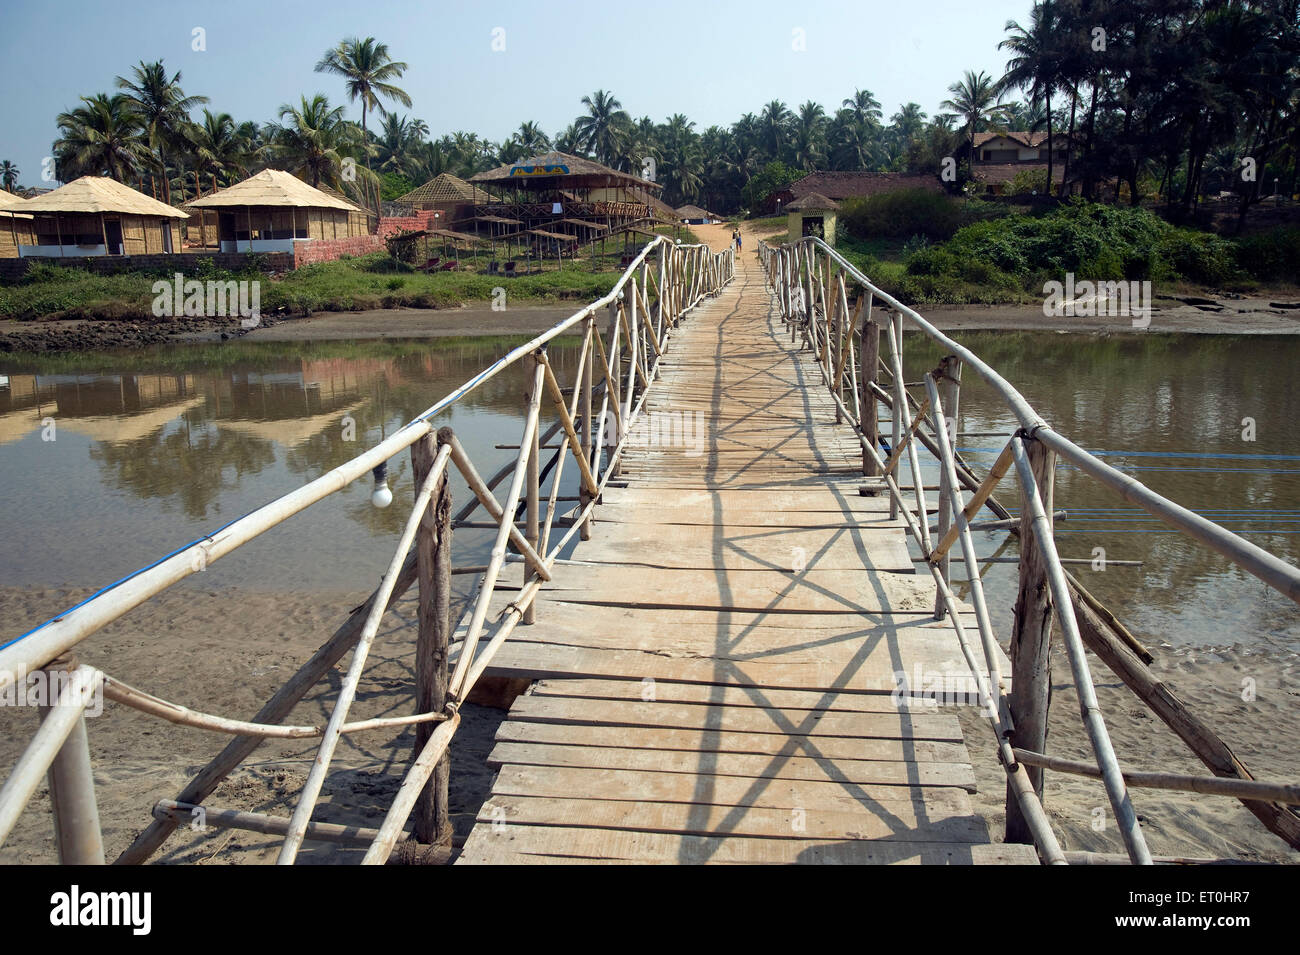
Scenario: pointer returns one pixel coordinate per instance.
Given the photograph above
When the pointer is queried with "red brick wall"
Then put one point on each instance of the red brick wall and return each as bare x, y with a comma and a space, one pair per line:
420, 219
327, 250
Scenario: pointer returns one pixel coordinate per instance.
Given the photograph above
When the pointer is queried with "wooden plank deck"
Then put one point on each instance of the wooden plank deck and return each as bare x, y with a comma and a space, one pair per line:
717, 684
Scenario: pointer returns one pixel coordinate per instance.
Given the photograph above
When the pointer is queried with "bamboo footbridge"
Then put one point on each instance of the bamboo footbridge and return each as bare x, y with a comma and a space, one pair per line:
720, 639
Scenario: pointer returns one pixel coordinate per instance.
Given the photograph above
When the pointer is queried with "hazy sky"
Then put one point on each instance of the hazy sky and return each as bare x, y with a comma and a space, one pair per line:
710, 59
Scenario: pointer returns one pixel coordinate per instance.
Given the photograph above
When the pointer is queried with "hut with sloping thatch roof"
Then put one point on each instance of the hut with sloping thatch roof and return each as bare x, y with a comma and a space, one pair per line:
443, 193
694, 215
814, 214
270, 211
15, 225
544, 189
94, 216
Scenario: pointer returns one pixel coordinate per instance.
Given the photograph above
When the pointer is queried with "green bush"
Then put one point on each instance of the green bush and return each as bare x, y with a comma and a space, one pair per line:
903, 214
1271, 256
1198, 256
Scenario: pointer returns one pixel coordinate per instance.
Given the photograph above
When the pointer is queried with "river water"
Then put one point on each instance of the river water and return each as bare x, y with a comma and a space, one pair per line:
151, 450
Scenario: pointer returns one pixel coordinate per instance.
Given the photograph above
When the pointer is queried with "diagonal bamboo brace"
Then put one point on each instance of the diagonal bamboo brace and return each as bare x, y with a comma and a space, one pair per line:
575, 443
489, 501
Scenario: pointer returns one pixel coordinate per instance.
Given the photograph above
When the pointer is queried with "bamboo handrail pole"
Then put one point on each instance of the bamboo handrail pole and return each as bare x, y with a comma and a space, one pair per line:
651, 335
958, 517
183, 813
508, 468
566, 422
60, 721
895, 407
145, 702
605, 362
946, 385
1125, 817
896, 454
467, 470
278, 707
347, 692
997, 715
499, 546
904, 420
56, 636
404, 803
1269, 568
635, 372
506, 623
1274, 571
982, 494
533, 477
964, 473
1206, 785
585, 386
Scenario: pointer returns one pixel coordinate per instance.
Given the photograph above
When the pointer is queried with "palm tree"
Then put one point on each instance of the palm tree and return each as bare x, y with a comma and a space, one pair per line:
1034, 65
313, 140
974, 100
809, 136
603, 127
865, 107
163, 109
773, 124
9, 174
101, 137
223, 150
369, 72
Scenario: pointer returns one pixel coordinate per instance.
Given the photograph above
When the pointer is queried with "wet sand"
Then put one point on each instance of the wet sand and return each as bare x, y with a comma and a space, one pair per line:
1220, 316
227, 652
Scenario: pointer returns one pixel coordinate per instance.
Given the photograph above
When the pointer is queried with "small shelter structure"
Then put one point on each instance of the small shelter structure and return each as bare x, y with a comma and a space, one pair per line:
694, 215
15, 225
94, 216
814, 214
270, 211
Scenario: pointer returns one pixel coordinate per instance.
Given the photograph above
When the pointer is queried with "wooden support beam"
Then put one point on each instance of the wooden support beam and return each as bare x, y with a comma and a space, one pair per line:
1102, 640
869, 419
1031, 638
948, 375
432, 824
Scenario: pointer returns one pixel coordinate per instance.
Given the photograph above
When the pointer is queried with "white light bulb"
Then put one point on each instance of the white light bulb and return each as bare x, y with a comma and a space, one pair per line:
382, 496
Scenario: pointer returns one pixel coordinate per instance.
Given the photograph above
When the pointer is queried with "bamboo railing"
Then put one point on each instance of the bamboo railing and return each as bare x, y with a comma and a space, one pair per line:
616, 368
810, 284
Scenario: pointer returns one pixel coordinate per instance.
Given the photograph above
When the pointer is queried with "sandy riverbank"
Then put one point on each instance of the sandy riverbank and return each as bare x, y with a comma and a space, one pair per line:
226, 652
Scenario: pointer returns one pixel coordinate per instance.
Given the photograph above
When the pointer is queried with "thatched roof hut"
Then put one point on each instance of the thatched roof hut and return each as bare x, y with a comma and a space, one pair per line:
15, 225
694, 215
268, 211
557, 170
441, 191
95, 215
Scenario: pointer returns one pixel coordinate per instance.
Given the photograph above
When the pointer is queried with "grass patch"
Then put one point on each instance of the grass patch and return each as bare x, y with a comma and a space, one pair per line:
373, 281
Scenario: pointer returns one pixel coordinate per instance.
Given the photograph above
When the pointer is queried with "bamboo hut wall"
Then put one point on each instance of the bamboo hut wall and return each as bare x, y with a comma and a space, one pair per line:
140, 234
13, 233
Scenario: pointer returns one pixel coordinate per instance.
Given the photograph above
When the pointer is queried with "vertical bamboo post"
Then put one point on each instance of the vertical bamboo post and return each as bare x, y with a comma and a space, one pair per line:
896, 421
1031, 637
583, 495
534, 529
72, 783
432, 817
949, 374
870, 414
